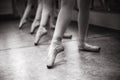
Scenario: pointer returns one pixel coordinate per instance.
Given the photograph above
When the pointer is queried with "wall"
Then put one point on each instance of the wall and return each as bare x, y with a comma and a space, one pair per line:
109, 20
5, 7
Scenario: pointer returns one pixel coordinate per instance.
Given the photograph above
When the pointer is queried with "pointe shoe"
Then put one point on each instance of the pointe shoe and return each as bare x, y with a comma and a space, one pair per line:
41, 32
35, 24
90, 48
53, 51
22, 22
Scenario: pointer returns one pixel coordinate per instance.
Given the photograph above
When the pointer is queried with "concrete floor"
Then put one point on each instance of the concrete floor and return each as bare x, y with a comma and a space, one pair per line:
21, 60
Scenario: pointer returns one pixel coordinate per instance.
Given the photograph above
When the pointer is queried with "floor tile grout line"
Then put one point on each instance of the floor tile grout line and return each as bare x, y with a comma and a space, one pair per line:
15, 48
49, 43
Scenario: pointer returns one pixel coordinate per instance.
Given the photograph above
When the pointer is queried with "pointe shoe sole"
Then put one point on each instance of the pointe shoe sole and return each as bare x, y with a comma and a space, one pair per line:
90, 50
33, 30
50, 64
42, 33
22, 24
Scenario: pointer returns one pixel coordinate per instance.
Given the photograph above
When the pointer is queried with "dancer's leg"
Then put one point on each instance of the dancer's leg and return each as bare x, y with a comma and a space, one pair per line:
26, 14
47, 8
52, 19
83, 18
52, 15
63, 20
36, 21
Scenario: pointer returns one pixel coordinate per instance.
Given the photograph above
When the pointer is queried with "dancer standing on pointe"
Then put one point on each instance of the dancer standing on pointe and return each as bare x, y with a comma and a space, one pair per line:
63, 20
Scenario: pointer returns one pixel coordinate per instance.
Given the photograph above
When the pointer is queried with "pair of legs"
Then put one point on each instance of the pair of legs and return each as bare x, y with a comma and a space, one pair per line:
43, 11
44, 14
47, 14
63, 20
47, 19
37, 19
27, 11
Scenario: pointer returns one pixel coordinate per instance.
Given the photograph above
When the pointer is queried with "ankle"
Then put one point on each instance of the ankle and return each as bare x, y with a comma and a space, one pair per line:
81, 44
58, 42
36, 20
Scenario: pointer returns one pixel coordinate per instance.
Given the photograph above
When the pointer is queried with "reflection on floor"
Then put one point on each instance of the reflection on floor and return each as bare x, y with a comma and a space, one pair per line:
21, 60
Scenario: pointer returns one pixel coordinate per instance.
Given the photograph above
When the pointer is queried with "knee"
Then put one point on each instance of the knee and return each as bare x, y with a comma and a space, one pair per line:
67, 3
29, 3
83, 4
40, 1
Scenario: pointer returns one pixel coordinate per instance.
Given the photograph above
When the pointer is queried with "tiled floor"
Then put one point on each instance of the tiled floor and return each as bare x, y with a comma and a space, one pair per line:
21, 60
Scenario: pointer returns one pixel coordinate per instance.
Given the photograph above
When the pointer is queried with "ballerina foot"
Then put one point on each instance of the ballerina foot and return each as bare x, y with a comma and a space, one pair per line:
35, 24
88, 47
55, 48
22, 22
41, 32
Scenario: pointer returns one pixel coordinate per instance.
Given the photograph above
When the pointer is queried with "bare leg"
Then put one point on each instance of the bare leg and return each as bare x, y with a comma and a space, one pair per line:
26, 14
36, 21
52, 15
52, 23
83, 17
47, 8
63, 20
